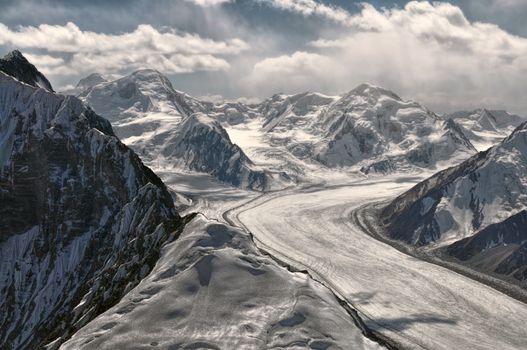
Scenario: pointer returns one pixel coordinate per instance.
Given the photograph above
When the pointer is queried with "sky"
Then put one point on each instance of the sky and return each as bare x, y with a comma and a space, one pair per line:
448, 55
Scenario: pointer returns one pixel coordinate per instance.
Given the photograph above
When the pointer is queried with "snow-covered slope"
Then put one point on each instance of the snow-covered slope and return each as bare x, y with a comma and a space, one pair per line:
485, 128
284, 112
165, 128
17, 66
375, 124
212, 289
81, 218
230, 113
463, 201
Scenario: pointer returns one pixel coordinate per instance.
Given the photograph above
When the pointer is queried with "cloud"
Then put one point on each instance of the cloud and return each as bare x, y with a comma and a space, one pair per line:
428, 51
289, 72
69, 38
312, 8
129, 61
45, 60
207, 3
87, 51
432, 52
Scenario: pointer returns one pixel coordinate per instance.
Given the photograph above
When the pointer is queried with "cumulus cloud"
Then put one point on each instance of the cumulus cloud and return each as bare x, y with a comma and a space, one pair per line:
87, 51
428, 51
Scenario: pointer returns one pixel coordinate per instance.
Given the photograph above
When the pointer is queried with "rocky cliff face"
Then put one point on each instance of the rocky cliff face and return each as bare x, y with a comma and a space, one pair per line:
81, 218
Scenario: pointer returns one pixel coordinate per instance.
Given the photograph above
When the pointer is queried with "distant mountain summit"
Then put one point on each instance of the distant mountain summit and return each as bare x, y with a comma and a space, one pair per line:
484, 127
143, 91
201, 144
17, 66
90, 81
368, 129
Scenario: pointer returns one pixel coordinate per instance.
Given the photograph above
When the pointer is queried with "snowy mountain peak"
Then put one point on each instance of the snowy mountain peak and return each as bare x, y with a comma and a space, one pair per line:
149, 74
456, 132
149, 81
371, 99
14, 56
143, 91
205, 121
90, 81
17, 66
369, 127
279, 109
488, 120
372, 91
374, 126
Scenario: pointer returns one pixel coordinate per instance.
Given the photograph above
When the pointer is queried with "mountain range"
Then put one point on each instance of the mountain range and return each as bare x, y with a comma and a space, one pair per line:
91, 241
369, 129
